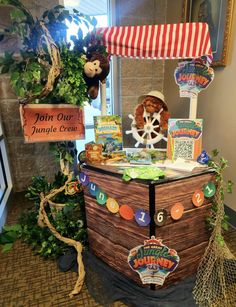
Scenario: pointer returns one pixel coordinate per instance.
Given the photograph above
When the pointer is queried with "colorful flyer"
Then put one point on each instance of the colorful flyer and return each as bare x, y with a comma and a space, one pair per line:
108, 132
153, 261
184, 138
93, 153
192, 77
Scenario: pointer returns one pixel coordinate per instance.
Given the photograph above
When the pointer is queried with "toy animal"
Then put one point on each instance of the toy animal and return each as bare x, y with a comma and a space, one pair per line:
152, 103
96, 69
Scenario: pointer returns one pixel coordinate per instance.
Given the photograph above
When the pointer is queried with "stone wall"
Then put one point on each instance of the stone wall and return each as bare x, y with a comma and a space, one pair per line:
138, 77
25, 160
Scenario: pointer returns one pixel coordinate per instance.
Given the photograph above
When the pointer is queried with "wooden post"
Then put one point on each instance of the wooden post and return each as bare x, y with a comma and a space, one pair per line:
103, 98
193, 108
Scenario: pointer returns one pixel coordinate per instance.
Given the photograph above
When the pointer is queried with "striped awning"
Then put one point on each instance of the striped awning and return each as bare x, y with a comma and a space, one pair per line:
166, 41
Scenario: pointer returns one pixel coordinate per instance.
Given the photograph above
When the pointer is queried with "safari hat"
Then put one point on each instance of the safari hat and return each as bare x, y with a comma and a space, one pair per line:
156, 94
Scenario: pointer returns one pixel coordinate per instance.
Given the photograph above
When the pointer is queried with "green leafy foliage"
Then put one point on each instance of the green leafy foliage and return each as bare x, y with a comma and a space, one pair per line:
29, 73
219, 165
9, 235
69, 222
64, 150
70, 87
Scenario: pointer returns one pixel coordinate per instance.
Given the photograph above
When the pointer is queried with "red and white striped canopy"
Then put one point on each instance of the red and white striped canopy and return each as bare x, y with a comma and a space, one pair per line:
166, 41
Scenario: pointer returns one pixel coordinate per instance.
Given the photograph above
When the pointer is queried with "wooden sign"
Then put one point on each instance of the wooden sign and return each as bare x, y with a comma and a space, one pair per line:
52, 122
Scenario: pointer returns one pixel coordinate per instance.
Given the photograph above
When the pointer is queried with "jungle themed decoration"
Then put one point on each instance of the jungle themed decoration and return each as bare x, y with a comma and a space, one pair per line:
150, 120
96, 69
216, 276
192, 77
52, 122
184, 138
140, 216
153, 261
49, 69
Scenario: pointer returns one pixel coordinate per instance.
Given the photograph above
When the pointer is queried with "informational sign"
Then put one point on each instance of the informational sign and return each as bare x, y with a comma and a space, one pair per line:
192, 77
184, 138
52, 122
153, 261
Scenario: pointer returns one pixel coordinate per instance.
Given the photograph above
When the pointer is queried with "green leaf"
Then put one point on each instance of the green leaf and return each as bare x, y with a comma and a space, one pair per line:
230, 186
215, 152
4, 69
225, 225
7, 247
220, 240
15, 227
68, 208
15, 76
8, 237
21, 92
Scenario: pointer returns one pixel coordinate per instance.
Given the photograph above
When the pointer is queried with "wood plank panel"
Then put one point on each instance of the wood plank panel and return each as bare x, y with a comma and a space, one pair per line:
180, 191
113, 254
130, 193
113, 227
189, 262
116, 257
190, 230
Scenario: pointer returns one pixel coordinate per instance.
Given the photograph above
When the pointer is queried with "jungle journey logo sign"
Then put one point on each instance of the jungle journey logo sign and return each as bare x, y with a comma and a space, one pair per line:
153, 261
192, 77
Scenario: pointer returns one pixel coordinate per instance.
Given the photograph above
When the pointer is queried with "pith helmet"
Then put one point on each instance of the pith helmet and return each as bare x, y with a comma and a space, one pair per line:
156, 94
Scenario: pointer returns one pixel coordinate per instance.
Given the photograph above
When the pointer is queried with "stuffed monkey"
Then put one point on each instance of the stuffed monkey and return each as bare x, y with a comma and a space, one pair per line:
96, 69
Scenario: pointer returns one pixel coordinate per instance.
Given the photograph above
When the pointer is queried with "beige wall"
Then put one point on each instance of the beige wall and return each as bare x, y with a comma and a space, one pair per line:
216, 105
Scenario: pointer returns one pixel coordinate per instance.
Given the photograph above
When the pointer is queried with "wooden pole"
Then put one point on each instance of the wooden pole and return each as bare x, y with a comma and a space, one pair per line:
193, 108
103, 98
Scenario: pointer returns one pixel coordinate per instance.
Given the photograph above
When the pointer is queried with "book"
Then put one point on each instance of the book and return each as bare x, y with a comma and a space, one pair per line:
108, 132
184, 139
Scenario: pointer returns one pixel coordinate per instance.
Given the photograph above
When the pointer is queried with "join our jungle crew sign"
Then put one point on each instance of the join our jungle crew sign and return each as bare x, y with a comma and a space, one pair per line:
50, 122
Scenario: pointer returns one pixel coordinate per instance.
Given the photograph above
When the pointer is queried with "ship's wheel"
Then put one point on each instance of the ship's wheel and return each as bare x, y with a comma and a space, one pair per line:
150, 134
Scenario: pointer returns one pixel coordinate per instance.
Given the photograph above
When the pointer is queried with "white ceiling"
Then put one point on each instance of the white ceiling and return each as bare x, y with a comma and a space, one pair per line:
88, 7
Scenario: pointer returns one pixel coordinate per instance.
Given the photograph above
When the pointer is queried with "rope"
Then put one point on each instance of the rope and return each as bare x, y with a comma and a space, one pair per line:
44, 221
54, 69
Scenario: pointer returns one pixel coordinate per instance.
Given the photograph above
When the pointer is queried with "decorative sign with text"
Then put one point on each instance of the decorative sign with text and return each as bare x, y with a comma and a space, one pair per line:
192, 77
52, 122
153, 261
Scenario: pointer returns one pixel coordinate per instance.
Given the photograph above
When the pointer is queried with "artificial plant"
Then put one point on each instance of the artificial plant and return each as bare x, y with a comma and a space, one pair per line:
216, 275
49, 69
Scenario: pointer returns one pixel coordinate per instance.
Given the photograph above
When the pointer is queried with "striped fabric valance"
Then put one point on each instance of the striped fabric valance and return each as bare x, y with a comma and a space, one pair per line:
166, 41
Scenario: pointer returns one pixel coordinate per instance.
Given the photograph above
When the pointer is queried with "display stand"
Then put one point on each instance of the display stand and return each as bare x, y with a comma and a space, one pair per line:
111, 237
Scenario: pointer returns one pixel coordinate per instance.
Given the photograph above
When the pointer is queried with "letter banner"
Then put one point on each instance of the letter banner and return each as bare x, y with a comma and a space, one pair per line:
153, 261
192, 77
52, 122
